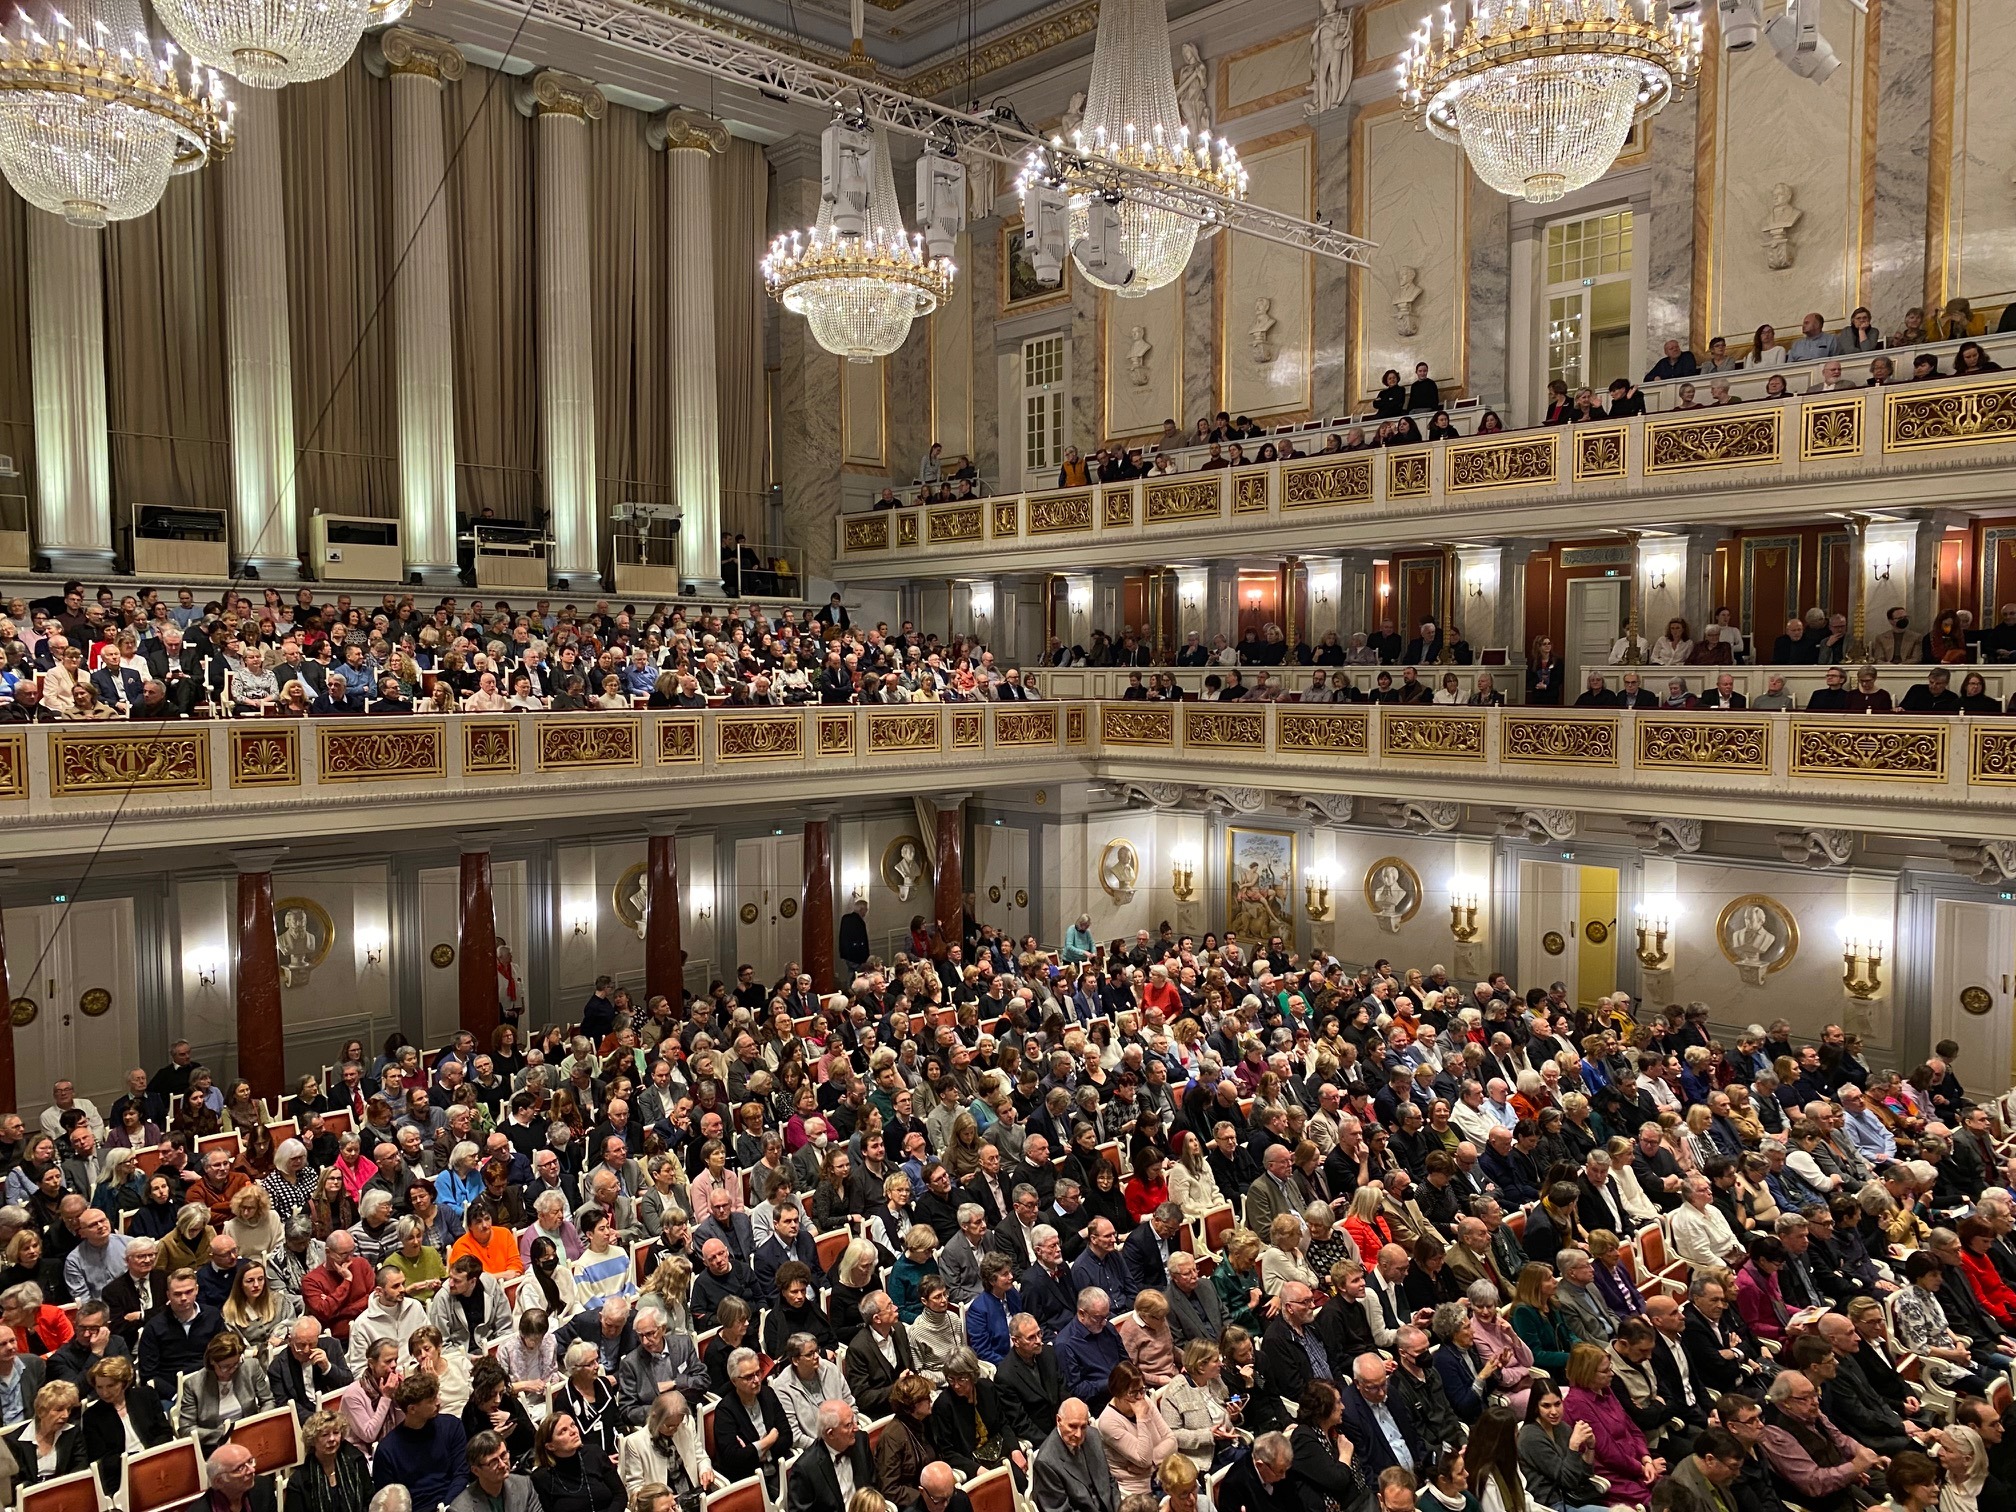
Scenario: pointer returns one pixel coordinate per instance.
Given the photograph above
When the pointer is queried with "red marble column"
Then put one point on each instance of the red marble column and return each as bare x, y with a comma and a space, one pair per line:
951, 894
262, 1044
664, 957
815, 917
477, 950
6, 1027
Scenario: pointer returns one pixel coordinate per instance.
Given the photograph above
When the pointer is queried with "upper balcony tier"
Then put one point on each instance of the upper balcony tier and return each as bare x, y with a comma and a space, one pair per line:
1794, 458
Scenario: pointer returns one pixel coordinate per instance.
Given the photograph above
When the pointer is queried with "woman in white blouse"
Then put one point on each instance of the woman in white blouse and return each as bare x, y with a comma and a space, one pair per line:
1764, 349
1674, 647
1450, 692
1191, 1184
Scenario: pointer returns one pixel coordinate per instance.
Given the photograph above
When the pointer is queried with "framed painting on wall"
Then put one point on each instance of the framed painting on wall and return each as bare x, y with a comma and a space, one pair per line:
1019, 289
1260, 883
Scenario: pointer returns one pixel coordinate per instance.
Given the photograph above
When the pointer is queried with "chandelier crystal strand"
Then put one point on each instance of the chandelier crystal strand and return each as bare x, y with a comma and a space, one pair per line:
267, 44
859, 294
1541, 94
95, 116
1131, 117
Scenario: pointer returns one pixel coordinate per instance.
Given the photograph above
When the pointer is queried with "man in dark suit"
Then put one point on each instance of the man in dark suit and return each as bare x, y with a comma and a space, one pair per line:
308, 1368
788, 1241
1049, 1295
815, 1477
1715, 1355
1195, 1311
118, 687
178, 665
338, 697
1028, 1380
139, 1293
723, 1276
878, 1355
1851, 1403
1258, 1482
1147, 1251
1374, 1418
1285, 1349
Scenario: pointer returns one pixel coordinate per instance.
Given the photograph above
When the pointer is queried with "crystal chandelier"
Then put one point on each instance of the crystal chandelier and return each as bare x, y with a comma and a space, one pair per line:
1131, 119
94, 120
1541, 94
859, 292
270, 43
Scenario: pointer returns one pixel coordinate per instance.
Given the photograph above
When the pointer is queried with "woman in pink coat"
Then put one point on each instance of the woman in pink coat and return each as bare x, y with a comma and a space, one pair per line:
1620, 1454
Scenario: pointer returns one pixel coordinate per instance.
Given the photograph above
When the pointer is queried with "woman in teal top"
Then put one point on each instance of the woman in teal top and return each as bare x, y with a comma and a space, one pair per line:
1535, 1321
909, 1273
1078, 941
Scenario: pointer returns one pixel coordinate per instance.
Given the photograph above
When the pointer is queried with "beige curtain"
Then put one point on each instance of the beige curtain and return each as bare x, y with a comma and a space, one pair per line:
741, 211
627, 207
165, 356
337, 137
17, 402
494, 233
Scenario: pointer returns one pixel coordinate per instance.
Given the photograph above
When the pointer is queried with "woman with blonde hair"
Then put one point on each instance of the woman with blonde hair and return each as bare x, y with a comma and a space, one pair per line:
962, 1151
1148, 1340
1238, 1282
1196, 1412
1369, 1229
189, 1246
672, 1284
253, 1222
1282, 1260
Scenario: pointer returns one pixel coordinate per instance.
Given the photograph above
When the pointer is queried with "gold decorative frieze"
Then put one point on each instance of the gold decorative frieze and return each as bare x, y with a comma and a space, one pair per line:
265, 755
571, 743
1502, 463
1445, 737
490, 748
1310, 484
1074, 725
1830, 428
1599, 453
1739, 440
1700, 745
381, 751
13, 766
960, 522
1334, 732
906, 530
967, 734
758, 737
1116, 508
867, 533
836, 734
1191, 499
1015, 726
1060, 514
1914, 418
106, 763
909, 731
1557, 741
1870, 752
1249, 493
1992, 759
678, 740
1007, 520
1407, 475
1125, 724
1225, 729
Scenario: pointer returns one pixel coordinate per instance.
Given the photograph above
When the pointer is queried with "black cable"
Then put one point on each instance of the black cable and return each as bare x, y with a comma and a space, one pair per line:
74, 890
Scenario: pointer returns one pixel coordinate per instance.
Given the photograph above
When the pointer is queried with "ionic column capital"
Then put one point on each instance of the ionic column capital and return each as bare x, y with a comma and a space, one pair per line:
552, 93
678, 130
402, 52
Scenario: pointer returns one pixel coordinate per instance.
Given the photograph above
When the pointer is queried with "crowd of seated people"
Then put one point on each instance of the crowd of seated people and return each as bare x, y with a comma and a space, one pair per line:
142, 658
1174, 1212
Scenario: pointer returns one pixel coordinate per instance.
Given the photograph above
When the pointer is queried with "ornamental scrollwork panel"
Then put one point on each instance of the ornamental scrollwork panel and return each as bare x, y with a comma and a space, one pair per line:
869, 533
1732, 441
570, 744
1947, 418
382, 753
160, 763
1831, 429
1074, 725
1702, 746
266, 755
891, 733
1445, 737
1194, 499
1334, 733
1025, 727
678, 741
1993, 758
1124, 724
961, 522
1007, 520
1869, 752
1503, 464
1060, 514
1217, 728
759, 738
13, 766
906, 530
1319, 483
1116, 508
836, 734
966, 730
1599, 454
490, 748
1560, 742
1249, 493
1407, 475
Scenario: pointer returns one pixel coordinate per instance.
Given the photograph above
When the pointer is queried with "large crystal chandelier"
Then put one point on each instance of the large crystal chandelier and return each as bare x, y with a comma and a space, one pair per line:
271, 43
1131, 118
95, 118
859, 290
1541, 94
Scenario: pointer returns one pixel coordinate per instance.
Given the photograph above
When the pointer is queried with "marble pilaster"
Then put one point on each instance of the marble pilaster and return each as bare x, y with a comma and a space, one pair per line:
1669, 250
690, 141
1490, 303
1894, 263
261, 375
66, 350
1331, 311
423, 337
562, 108
983, 299
807, 442
1200, 336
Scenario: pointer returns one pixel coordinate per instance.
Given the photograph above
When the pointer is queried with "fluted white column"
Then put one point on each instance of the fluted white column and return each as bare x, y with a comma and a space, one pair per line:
690, 141
562, 107
66, 348
263, 526
423, 338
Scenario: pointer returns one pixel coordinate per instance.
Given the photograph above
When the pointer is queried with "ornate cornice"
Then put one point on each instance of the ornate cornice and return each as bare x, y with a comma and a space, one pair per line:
679, 130
401, 51
1005, 50
550, 92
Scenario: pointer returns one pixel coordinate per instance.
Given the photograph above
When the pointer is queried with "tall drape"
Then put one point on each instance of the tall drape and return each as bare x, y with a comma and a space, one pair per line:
337, 140
633, 454
741, 178
492, 230
166, 406
17, 401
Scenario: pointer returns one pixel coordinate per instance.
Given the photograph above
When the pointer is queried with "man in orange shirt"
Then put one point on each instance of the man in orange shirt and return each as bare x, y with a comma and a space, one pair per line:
218, 1185
491, 1244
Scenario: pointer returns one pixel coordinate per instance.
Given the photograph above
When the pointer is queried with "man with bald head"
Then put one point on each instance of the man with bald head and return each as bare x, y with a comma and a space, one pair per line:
941, 1489
1680, 1387
1291, 1353
1852, 1402
1071, 1473
1821, 1465
1381, 1428
828, 1472
309, 1368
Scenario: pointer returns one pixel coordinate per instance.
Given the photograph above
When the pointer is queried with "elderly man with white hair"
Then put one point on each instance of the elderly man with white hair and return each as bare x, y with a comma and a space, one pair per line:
1471, 1118
1701, 1235
830, 1469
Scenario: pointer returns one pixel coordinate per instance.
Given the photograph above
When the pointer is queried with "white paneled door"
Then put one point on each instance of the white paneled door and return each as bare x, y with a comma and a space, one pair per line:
1549, 892
74, 963
1595, 620
769, 888
1973, 973
1001, 878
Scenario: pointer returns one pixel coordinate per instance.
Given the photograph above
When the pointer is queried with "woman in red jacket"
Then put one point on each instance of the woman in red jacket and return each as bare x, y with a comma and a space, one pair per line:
1996, 1299
1148, 1187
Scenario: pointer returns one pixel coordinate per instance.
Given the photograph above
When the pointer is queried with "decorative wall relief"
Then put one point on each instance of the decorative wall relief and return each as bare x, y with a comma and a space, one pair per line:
1777, 228
1119, 870
1392, 892
630, 898
1405, 297
1757, 936
1193, 92
906, 867
1267, 355
1329, 59
1138, 348
303, 934
1260, 334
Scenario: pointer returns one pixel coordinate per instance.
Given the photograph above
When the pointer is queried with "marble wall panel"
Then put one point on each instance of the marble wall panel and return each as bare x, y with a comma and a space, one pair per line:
1975, 241
1331, 317
1200, 338
1894, 261
1267, 73
952, 367
1410, 196
864, 435
1141, 362
1268, 297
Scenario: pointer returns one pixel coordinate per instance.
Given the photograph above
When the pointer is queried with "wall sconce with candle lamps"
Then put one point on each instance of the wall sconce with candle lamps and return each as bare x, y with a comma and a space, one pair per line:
980, 600
1654, 927
1477, 581
1463, 904
1885, 559
208, 964
1861, 961
1183, 876
703, 902
1658, 569
1316, 894
371, 946
1324, 583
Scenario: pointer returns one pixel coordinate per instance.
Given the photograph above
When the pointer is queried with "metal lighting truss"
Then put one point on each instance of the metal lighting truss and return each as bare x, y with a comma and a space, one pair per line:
687, 44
